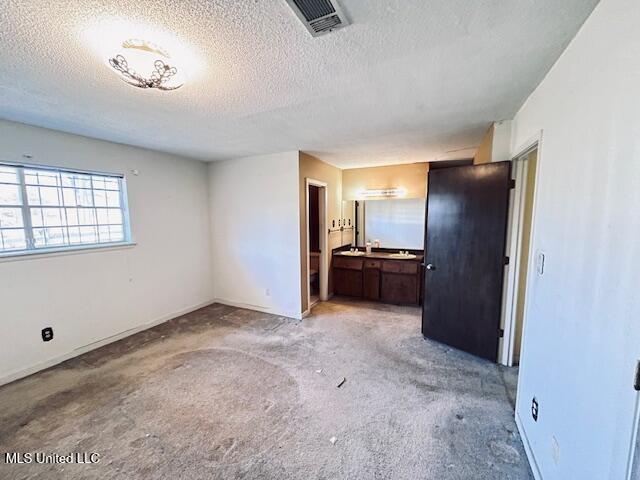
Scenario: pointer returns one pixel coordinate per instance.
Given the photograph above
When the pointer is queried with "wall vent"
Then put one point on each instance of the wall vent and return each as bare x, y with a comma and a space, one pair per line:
319, 16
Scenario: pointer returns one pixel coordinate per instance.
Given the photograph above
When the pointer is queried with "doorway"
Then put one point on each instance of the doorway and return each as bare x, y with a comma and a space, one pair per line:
525, 168
314, 245
317, 267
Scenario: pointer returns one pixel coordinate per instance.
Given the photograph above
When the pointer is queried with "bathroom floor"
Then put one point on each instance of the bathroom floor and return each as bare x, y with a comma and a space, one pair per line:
352, 391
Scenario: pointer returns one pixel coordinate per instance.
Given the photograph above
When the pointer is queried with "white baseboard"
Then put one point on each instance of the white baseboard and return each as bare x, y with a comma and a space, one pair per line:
258, 308
527, 448
25, 372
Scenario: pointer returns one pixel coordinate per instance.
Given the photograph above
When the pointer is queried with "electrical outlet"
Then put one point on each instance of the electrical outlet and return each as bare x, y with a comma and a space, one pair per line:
534, 409
267, 292
47, 334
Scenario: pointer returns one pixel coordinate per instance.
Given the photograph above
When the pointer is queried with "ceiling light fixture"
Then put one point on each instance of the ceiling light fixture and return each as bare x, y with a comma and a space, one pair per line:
383, 192
143, 56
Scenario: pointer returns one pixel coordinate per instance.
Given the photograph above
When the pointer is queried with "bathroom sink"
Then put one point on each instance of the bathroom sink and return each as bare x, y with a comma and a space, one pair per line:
403, 256
352, 254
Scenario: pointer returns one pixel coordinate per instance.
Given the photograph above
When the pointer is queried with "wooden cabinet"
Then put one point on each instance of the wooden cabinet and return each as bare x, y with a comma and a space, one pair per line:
371, 287
368, 263
348, 263
400, 288
347, 276
400, 266
391, 281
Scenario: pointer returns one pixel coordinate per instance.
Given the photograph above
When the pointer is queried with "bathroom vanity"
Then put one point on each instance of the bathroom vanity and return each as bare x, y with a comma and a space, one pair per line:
378, 276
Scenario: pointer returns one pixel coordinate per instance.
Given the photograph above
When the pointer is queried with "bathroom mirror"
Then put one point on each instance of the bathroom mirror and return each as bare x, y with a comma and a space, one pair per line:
395, 222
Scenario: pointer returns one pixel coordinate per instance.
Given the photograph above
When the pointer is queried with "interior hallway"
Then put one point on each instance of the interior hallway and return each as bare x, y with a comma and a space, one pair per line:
231, 393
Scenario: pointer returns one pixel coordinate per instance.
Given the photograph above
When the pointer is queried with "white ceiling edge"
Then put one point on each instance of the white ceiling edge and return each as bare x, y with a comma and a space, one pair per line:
101, 140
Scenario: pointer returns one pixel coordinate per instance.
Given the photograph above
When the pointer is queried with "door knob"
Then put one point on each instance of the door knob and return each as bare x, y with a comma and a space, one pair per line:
430, 266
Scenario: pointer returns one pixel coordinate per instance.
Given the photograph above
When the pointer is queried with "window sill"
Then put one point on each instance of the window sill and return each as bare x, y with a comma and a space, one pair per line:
55, 252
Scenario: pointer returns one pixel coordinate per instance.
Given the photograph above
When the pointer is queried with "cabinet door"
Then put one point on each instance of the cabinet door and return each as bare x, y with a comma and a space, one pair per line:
347, 282
372, 283
399, 288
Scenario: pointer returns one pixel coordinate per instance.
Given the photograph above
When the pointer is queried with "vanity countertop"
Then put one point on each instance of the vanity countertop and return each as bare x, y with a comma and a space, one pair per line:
383, 256
379, 276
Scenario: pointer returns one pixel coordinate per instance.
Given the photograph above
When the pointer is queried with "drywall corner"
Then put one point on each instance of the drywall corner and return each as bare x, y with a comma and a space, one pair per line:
255, 232
501, 145
314, 168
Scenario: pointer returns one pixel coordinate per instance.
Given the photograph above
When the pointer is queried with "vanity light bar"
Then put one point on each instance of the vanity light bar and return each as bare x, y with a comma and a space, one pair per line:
384, 192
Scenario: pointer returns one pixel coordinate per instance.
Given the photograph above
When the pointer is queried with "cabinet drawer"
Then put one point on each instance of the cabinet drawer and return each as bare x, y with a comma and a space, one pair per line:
372, 264
400, 266
348, 263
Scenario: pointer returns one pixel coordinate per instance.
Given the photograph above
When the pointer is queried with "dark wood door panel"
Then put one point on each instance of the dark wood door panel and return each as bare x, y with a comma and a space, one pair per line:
372, 283
398, 288
347, 282
465, 243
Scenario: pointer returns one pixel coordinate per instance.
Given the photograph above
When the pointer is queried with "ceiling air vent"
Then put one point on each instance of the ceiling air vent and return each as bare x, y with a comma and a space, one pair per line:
319, 16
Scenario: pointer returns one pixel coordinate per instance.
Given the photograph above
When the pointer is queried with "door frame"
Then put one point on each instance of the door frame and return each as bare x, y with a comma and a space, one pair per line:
323, 274
514, 245
634, 443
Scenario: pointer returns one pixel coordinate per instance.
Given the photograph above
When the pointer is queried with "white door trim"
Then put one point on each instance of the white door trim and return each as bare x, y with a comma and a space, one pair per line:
323, 263
632, 450
514, 243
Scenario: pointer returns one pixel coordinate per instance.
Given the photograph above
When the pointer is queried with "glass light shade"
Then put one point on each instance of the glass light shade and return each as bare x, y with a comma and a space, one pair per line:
146, 65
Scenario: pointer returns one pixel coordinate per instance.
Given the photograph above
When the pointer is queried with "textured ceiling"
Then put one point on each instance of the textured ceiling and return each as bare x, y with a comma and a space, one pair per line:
409, 80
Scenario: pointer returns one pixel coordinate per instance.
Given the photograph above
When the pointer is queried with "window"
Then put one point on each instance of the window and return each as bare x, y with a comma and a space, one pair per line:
44, 208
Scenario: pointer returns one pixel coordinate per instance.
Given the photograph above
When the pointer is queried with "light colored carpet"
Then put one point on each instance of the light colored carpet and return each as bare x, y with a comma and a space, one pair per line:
230, 393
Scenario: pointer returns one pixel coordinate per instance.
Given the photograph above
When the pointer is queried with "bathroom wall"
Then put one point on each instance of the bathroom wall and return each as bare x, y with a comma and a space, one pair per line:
496, 144
311, 167
412, 177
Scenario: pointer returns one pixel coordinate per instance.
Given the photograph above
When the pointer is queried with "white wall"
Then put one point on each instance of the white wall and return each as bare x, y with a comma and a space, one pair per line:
501, 145
582, 330
94, 295
256, 232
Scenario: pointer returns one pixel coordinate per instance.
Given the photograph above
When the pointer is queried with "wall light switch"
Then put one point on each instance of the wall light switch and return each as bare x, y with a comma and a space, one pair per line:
555, 450
540, 263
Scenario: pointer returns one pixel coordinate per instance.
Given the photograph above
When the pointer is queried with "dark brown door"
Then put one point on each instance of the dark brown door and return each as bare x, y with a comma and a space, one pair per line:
465, 237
